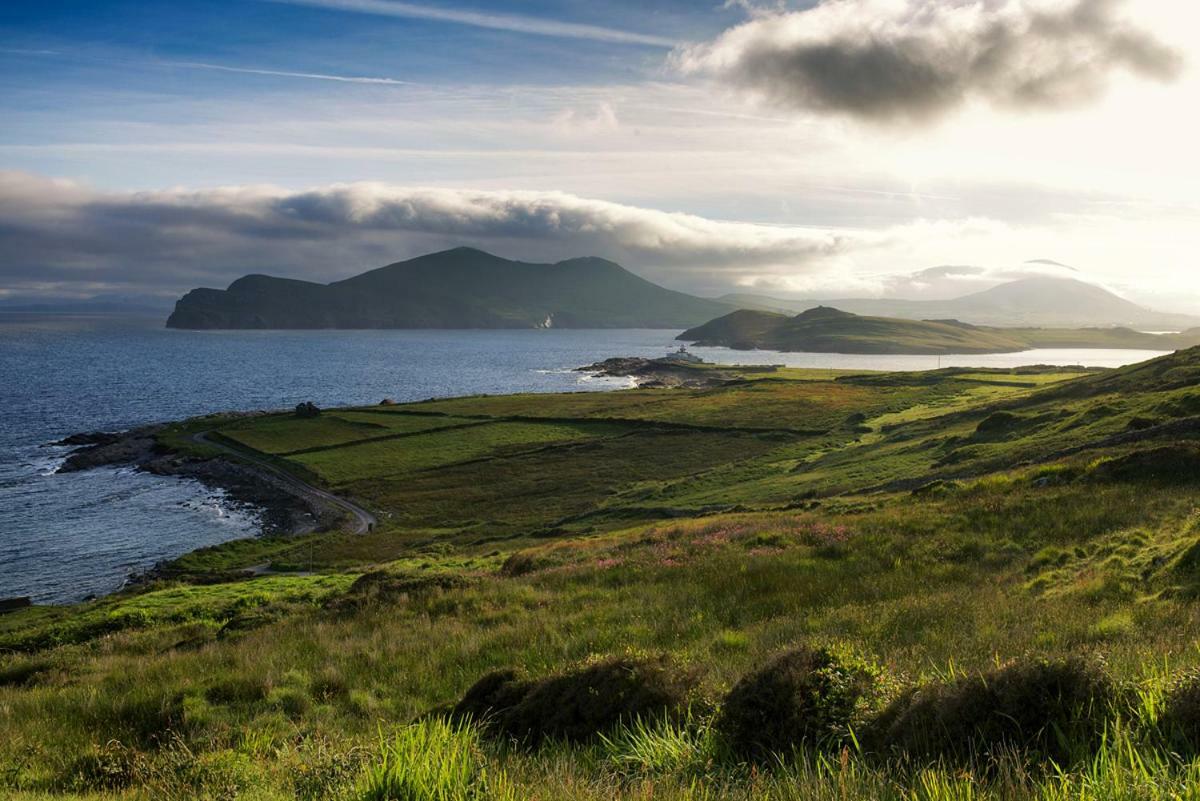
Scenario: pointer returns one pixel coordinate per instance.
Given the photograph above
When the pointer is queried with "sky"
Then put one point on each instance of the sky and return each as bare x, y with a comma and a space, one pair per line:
910, 148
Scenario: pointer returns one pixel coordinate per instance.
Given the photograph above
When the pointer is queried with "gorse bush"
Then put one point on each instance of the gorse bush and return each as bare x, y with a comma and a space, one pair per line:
1039, 710
434, 760
808, 696
577, 705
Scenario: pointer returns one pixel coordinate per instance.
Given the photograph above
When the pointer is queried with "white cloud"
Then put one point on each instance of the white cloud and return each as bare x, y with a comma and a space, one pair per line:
915, 60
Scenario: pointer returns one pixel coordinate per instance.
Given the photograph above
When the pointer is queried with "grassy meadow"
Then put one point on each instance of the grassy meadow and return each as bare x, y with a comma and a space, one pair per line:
918, 531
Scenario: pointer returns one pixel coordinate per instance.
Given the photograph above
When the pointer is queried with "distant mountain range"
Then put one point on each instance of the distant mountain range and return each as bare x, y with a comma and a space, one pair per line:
468, 288
459, 288
1028, 302
132, 305
829, 330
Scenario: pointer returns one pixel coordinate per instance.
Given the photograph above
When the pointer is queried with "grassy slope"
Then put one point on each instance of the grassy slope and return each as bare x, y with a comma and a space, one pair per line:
715, 525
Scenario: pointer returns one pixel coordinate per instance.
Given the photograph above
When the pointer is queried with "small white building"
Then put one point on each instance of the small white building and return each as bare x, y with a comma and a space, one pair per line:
682, 356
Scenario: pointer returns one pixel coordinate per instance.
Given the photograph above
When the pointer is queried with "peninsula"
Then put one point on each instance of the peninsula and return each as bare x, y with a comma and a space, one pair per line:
459, 288
829, 330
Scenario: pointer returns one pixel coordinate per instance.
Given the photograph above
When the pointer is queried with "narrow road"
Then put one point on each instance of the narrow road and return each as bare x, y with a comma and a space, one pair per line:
364, 520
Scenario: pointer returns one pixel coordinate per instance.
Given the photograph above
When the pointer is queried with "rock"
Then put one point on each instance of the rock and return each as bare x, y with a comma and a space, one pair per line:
92, 438
131, 447
307, 409
13, 604
660, 373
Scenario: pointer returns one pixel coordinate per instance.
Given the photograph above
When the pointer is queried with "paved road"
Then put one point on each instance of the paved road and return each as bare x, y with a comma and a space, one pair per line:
364, 520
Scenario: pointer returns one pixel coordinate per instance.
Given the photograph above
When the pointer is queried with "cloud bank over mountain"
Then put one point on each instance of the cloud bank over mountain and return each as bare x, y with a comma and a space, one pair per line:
916, 60
58, 231
65, 239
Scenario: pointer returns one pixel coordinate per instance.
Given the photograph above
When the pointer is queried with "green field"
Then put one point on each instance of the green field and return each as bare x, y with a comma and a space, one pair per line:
925, 527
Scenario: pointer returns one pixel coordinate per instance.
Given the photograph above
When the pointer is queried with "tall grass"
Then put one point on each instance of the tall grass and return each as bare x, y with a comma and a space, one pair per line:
434, 760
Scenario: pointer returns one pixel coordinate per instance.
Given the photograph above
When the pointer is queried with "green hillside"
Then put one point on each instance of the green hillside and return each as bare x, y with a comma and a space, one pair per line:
828, 330
460, 288
956, 584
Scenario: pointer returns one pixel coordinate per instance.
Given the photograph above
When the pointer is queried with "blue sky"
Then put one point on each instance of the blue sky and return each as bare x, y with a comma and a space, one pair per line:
707, 146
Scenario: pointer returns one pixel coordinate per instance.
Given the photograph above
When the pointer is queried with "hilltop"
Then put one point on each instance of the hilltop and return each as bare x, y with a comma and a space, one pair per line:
1039, 301
459, 288
828, 330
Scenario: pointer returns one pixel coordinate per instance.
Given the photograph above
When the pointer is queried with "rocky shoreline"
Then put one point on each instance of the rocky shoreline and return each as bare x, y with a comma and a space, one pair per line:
282, 509
660, 373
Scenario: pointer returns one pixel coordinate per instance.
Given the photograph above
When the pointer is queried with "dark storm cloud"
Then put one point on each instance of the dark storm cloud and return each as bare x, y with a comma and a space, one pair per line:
888, 60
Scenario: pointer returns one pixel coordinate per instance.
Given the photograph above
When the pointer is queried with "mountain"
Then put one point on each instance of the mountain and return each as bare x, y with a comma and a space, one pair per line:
141, 305
829, 330
459, 288
1040, 301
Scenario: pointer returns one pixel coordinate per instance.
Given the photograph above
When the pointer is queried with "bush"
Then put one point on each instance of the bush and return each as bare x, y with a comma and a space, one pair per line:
998, 423
23, 673
329, 686
1041, 709
381, 587
144, 716
523, 563
292, 701
488, 700
236, 690
579, 705
1170, 464
111, 766
1180, 720
804, 697
307, 409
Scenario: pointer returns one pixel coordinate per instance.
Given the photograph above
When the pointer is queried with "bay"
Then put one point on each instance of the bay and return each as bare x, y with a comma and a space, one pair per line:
66, 536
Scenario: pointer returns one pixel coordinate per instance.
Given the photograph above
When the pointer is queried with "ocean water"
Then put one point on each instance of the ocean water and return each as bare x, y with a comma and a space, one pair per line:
66, 536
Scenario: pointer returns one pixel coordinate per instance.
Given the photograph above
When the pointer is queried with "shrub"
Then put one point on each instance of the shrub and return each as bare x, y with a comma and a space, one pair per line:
998, 423
523, 563
488, 700
144, 716
579, 705
330, 685
804, 697
1041, 709
111, 766
22, 673
292, 701
307, 409
381, 587
1169, 464
1180, 719
236, 690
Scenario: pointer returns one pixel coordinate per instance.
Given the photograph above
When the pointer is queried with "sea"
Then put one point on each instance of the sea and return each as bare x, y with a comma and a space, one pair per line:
65, 537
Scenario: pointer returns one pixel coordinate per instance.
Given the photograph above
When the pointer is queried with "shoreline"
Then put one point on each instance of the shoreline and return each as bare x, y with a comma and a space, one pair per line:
283, 508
